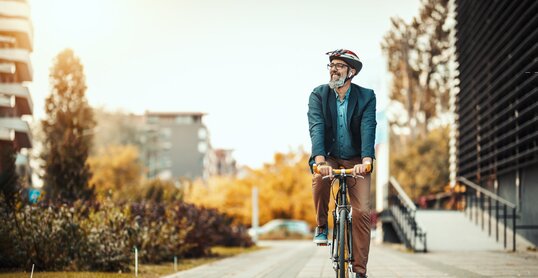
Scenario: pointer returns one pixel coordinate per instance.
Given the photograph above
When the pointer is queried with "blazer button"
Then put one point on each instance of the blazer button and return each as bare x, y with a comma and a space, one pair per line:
334, 139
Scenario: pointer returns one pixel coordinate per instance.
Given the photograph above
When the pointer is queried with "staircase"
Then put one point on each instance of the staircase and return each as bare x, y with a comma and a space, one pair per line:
485, 222
451, 231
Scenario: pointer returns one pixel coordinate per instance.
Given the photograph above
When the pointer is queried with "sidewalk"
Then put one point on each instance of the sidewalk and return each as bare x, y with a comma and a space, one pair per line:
304, 260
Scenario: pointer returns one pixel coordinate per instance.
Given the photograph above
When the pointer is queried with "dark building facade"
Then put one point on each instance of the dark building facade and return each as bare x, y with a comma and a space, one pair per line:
497, 104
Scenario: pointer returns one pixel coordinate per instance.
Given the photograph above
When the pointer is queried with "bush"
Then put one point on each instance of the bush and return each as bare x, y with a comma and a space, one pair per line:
159, 231
102, 236
108, 234
61, 237
185, 230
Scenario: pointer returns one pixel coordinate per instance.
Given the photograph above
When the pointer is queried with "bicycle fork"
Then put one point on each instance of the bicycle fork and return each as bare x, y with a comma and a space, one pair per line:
334, 244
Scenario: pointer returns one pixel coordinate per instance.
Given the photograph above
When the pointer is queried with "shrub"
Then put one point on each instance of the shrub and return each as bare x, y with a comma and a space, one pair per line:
159, 231
107, 232
100, 237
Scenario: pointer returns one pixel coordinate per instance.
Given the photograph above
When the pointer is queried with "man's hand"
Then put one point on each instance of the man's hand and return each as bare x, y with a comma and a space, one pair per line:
362, 169
323, 168
326, 170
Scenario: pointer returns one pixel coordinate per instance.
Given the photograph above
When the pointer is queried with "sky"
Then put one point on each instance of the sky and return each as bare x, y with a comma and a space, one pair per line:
250, 65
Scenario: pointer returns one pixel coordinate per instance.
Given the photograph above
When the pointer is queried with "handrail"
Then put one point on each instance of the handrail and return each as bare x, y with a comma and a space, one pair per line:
403, 213
478, 204
402, 194
487, 192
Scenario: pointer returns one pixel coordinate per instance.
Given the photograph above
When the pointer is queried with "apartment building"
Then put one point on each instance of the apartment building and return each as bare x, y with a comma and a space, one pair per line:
16, 44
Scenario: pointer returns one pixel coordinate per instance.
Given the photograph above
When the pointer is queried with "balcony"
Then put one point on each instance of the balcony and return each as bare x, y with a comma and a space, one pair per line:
20, 29
15, 129
14, 9
21, 59
23, 101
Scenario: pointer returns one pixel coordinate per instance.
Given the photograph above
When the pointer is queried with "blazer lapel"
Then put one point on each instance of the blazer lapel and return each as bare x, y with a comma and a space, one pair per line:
352, 102
332, 108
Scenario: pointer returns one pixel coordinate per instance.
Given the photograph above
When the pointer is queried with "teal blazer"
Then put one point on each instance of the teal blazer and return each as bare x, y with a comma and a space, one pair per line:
360, 119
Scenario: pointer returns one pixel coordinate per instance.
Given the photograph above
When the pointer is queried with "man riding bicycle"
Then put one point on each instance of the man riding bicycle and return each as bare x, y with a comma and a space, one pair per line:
341, 117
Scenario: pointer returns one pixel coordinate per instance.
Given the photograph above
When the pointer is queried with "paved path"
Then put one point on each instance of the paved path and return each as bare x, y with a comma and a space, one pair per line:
301, 259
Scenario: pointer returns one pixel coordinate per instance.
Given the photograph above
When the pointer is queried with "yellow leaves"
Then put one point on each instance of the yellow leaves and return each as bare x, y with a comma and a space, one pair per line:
284, 190
115, 168
421, 167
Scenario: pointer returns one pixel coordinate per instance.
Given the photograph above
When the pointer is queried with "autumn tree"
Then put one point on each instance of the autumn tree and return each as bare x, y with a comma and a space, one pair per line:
422, 167
68, 129
418, 55
115, 171
284, 186
115, 128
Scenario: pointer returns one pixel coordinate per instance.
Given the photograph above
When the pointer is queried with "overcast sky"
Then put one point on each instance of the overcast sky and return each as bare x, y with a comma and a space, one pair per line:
250, 65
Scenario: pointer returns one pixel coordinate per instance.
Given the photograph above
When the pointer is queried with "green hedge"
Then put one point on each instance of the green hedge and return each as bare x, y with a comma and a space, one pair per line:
102, 236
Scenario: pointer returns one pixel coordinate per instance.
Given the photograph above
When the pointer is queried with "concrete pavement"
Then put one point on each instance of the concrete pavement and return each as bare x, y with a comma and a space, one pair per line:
304, 260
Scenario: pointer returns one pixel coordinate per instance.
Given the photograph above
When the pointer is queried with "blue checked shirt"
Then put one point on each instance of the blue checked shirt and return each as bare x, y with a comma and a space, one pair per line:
343, 148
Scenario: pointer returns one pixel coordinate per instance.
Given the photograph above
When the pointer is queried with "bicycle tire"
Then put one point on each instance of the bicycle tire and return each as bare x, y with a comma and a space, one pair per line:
342, 242
349, 243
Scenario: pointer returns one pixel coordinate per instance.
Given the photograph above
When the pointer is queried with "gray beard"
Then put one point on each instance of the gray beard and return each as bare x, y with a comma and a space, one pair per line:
335, 84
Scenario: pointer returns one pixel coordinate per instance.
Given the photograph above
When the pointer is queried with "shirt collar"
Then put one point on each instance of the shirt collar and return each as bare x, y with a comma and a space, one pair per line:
345, 97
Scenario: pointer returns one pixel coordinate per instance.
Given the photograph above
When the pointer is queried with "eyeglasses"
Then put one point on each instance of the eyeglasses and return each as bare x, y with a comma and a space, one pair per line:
338, 66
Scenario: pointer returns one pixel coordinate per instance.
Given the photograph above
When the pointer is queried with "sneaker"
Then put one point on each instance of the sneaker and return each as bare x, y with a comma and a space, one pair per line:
320, 236
358, 275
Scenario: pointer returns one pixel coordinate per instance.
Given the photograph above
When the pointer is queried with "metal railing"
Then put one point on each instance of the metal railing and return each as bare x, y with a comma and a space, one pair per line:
479, 202
403, 211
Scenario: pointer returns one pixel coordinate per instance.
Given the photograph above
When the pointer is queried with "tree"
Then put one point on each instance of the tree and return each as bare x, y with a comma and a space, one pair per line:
422, 167
115, 170
116, 128
68, 129
284, 186
418, 58
9, 184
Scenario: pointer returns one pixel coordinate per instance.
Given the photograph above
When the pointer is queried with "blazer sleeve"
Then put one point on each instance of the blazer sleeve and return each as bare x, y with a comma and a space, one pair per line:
316, 124
368, 125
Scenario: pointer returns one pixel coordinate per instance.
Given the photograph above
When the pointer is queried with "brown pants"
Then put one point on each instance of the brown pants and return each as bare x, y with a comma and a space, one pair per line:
359, 195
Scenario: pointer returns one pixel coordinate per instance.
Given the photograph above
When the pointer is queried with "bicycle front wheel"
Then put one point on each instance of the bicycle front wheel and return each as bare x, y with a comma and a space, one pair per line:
342, 247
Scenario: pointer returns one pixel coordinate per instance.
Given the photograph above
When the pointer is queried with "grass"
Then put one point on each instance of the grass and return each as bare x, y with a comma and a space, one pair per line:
145, 271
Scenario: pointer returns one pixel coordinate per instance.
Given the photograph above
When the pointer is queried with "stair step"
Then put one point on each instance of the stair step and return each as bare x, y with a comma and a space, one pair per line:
452, 231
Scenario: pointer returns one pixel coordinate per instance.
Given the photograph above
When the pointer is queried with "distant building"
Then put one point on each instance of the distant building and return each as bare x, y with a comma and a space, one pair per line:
175, 145
220, 162
16, 43
497, 104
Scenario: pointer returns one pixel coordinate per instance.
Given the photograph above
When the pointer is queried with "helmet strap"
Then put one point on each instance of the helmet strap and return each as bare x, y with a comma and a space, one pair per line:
348, 76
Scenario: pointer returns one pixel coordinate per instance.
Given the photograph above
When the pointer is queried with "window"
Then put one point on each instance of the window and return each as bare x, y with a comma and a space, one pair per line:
202, 134
202, 147
184, 120
166, 133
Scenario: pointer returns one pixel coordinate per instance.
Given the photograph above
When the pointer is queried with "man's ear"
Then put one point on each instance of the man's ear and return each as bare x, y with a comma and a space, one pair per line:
351, 73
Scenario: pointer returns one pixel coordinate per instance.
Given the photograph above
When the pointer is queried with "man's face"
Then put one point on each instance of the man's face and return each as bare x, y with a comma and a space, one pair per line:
338, 73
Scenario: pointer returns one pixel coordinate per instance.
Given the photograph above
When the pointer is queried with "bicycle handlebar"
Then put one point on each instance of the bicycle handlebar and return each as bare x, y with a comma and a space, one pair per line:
341, 171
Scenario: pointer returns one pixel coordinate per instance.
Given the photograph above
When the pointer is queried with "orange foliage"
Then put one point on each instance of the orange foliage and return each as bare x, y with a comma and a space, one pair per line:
284, 186
116, 169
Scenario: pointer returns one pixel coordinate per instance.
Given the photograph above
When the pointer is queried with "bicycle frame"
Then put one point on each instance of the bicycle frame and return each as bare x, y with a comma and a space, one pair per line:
342, 220
342, 210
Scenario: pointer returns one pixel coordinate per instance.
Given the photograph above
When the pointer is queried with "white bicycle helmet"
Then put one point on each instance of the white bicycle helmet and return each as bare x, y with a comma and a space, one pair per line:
347, 56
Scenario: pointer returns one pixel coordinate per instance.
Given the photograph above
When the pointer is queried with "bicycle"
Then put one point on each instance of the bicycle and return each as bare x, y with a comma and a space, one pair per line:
342, 237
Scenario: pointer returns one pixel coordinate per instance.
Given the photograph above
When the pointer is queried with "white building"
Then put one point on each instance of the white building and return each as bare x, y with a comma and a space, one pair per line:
15, 70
